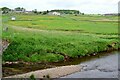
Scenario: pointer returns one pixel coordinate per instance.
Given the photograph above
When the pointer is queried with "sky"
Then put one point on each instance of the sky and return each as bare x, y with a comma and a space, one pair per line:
84, 6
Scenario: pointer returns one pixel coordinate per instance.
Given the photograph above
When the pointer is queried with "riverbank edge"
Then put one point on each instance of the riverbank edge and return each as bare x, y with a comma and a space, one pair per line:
51, 72
93, 54
55, 72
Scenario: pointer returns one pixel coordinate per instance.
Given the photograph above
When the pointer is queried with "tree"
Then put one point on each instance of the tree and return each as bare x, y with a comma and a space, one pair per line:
35, 11
40, 12
5, 10
66, 11
44, 13
47, 11
76, 12
19, 9
82, 13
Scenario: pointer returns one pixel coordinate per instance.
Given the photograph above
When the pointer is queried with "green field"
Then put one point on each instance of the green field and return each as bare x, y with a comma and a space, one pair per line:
45, 38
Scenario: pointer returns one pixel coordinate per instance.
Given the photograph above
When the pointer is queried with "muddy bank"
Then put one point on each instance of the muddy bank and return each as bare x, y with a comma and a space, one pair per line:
52, 72
13, 68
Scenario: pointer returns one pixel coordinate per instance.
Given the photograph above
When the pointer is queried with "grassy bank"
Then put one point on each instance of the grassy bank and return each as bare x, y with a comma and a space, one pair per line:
39, 38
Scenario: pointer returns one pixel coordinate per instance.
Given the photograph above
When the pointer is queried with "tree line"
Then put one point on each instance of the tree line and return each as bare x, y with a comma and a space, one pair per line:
7, 10
67, 11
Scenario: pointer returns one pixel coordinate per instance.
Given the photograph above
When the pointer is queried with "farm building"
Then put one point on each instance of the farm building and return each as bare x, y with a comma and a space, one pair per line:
13, 18
19, 10
54, 13
112, 14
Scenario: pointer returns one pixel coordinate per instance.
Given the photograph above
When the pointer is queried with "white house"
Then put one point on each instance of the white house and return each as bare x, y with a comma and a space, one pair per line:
56, 13
13, 18
22, 10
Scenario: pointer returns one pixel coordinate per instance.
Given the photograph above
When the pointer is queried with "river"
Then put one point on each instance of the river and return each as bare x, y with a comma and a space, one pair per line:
104, 67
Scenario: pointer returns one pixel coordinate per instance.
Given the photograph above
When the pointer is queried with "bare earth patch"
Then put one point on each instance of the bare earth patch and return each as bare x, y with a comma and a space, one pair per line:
5, 44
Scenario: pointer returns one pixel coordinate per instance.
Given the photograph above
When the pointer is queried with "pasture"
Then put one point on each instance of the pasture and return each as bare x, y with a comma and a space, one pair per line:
45, 38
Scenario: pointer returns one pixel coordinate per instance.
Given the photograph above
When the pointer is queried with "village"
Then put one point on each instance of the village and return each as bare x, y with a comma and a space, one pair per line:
21, 10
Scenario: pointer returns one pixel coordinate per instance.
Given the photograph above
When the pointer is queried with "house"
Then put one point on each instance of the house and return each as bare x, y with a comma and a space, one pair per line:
28, 12
111, 14
54, 13
13, 18
19, 10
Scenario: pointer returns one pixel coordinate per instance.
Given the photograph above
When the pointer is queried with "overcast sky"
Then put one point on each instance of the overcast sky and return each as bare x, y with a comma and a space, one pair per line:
86, 6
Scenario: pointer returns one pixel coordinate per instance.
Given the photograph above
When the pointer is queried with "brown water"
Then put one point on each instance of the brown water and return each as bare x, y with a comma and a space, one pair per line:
20, 68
